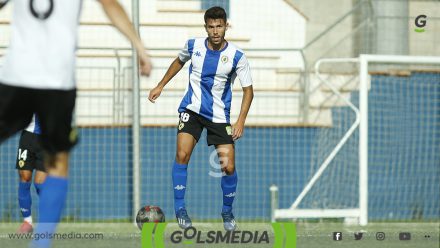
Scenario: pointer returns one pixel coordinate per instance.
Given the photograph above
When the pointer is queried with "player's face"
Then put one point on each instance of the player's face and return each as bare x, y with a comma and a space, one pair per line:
216, 29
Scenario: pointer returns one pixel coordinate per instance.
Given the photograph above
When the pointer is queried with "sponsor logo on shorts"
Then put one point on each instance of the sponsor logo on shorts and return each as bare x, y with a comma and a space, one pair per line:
181, 125
229, 130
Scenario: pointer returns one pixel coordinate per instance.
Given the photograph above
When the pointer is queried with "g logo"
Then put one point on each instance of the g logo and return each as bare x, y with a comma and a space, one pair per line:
176, 237
420, 23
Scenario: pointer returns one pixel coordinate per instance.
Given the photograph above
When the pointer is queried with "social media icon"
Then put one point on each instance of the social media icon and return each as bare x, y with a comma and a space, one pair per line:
405, 236
337, 236
358, 236
380, 236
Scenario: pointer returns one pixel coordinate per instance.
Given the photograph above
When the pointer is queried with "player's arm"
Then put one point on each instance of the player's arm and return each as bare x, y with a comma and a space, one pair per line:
174, 68
238, 127
244, 74
120, 20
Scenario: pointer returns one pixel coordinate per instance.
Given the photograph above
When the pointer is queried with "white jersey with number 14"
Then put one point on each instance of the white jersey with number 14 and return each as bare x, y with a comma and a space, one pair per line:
41, 53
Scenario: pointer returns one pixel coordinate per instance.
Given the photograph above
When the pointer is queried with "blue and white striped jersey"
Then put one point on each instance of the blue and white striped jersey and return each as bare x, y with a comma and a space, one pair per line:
34, 126
211, 76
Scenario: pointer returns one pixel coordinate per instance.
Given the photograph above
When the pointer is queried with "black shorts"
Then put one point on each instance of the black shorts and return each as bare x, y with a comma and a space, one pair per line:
30, 153
53, 107
193, 123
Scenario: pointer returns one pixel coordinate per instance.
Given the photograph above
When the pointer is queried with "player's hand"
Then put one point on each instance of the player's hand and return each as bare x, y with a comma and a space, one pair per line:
145, 64
237, 130
154, 94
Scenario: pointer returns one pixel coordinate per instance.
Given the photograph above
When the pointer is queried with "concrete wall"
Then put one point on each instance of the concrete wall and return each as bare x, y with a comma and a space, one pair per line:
428, 42
391, 36
320, 15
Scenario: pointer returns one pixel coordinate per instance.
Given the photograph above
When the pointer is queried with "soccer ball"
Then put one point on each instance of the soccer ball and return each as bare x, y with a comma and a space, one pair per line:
149, 214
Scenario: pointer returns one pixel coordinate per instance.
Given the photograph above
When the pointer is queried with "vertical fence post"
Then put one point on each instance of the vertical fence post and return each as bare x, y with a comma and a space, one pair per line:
136, 116
363, 141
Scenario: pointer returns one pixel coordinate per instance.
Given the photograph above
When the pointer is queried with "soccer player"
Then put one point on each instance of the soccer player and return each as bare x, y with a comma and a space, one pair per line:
29, 158
215, 63
38, 76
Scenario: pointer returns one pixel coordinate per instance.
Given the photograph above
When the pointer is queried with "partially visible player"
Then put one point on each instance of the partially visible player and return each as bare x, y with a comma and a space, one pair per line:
29, 158
38, 76
215, 63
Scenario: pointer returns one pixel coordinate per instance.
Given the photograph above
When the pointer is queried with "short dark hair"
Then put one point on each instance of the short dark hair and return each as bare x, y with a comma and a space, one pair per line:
215, 13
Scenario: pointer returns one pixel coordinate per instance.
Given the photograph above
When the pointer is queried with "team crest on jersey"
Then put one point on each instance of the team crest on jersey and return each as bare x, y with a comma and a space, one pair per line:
229, 130
224, 59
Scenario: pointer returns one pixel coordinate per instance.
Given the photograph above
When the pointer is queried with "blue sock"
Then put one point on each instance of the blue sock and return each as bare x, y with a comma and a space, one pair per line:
24, 198
229, 187
52, 200
37, 188
179, 185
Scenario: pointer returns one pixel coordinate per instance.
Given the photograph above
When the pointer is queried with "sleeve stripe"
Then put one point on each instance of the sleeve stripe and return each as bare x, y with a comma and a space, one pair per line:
237, 58
191, 46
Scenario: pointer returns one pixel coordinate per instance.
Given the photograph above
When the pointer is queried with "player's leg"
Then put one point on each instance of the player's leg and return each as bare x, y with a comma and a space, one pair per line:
40, 170
189, 130
185, 146
220, 135
15, 110
40, 177
226, 155
25, 165
55, 108
25, 200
